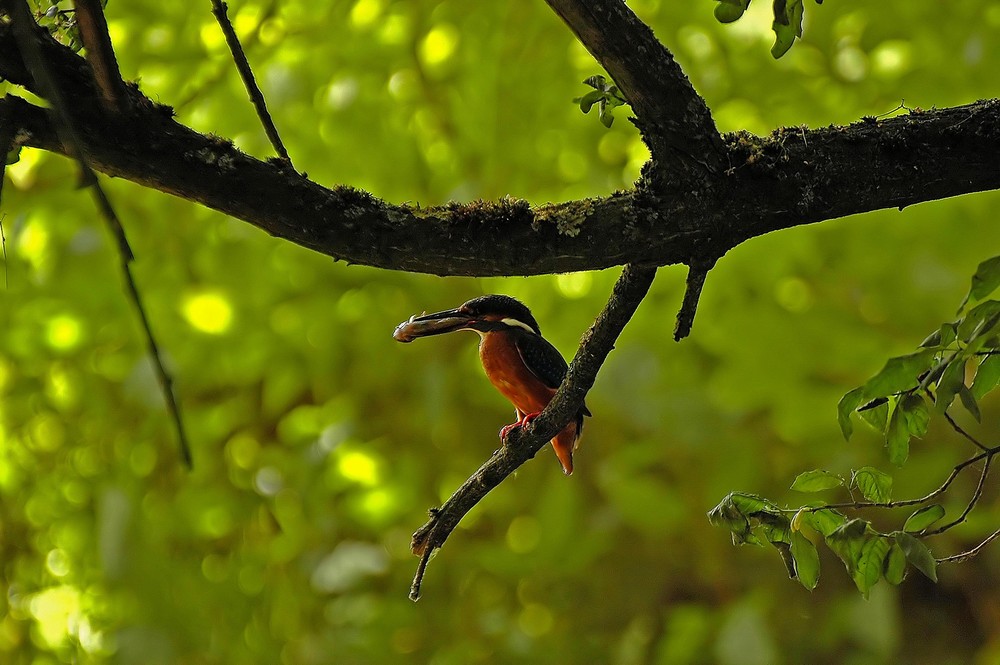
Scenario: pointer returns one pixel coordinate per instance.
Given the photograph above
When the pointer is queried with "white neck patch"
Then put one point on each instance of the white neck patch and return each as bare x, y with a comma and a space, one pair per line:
519, 324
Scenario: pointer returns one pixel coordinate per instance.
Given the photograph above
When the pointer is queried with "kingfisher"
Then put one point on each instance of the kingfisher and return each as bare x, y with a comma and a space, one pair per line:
519, 362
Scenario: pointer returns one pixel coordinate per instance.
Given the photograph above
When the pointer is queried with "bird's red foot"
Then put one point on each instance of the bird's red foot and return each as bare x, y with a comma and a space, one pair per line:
506, 429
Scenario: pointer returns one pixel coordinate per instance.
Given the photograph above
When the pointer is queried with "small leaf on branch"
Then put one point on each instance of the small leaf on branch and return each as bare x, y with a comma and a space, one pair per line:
980, 320
816, 480
986, 280
824, 521
899, 374
923, 518
917, 554
987, 376
875, 485
589, 100
787, 25
875, 416
916, 414
897, 438
728, 11
950, 384
942, 337
969, 402
871, 563
895, 565
848, 403
806, 560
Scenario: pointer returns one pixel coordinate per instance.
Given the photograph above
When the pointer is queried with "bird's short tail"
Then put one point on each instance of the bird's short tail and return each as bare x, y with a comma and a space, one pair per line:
564, 444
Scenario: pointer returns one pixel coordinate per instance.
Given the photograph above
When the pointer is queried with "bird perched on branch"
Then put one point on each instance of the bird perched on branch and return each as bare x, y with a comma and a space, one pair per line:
521, 363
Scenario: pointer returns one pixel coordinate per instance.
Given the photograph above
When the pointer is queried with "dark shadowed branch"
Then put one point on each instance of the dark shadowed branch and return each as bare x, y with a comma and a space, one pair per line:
673, 117
789, 178
697, 273
523, 443
220, 10
100, 53
27, 35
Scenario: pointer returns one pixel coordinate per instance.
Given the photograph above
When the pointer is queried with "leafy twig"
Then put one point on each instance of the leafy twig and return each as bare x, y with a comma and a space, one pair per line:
220, 9
863, 505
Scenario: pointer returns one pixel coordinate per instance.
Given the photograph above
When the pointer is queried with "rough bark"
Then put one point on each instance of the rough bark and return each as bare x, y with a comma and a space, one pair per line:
794, 176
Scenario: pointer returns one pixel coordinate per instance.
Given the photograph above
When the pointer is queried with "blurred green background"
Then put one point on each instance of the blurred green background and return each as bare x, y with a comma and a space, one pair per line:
320, 443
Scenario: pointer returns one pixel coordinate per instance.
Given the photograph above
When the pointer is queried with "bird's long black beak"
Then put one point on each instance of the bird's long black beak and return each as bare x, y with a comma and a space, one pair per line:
437, 323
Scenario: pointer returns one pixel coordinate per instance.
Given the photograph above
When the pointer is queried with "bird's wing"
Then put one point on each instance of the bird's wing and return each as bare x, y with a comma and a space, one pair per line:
544, 360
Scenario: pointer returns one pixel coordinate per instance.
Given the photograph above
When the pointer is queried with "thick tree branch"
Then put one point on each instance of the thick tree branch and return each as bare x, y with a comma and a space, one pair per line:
670, 113
792, 177
522, 444
785, 180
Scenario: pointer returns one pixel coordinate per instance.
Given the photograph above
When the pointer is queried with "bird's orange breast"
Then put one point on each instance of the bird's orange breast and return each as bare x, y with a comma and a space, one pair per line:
507, 371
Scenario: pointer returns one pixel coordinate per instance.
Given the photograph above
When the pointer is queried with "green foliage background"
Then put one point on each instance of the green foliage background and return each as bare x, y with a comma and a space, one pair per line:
319, 442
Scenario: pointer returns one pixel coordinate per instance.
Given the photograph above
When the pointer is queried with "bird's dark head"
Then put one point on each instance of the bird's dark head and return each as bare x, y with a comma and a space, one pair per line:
484, 314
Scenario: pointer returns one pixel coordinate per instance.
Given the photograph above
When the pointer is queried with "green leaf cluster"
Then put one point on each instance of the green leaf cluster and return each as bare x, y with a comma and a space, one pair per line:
897, 402
605, 95
868, 554
787, 24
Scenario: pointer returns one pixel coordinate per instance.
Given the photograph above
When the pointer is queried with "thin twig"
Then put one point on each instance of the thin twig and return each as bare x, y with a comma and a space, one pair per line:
523, 443
24, 32
955, 426
220, 9
972, 502
965, 556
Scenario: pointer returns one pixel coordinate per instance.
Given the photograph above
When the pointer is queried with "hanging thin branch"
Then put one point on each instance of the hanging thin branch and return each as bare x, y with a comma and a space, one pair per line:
25, 29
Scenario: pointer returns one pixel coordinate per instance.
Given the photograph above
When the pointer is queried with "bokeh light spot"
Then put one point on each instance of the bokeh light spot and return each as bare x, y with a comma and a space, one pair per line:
22, 172
55, 610
574, 285
243, 450
892, 58
535, 620
208, 312
63, 332
365, 12
439, 45
359, 467
33, 242
211, 36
